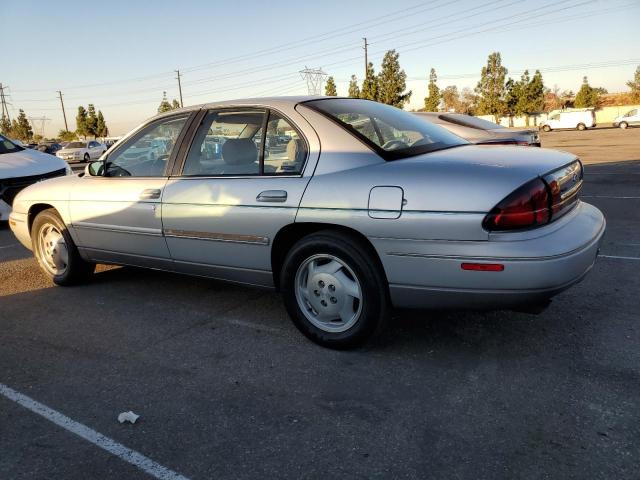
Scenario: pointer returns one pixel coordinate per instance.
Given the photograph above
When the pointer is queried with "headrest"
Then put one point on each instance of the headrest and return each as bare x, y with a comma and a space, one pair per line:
239, 151
295, 150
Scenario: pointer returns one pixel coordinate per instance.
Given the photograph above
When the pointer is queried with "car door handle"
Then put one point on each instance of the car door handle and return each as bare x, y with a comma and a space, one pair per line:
272, 196
150, 194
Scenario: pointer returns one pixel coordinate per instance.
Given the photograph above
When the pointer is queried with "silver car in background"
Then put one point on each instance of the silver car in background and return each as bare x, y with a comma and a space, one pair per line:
348, 207
480, 131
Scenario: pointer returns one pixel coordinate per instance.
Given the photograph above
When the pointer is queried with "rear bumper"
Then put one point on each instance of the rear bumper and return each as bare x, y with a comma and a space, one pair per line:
425, 275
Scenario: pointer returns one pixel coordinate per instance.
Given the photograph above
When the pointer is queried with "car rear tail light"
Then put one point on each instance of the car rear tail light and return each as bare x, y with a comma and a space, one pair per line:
527, 207
537, 202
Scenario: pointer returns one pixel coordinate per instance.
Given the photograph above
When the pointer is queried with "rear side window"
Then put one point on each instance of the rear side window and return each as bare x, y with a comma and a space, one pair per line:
231, 142
391, 132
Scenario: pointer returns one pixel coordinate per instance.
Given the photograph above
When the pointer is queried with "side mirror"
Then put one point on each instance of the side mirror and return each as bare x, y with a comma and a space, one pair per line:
94, 169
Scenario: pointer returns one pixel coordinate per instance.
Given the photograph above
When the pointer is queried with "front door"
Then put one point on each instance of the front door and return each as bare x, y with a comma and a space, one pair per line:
117, 216
241, 183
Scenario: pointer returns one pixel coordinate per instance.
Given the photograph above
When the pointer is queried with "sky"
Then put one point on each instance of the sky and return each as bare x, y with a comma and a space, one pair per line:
121, 55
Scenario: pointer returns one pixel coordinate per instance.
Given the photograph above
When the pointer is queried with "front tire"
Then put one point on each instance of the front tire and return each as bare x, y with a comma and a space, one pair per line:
86, 158
581, 126
334, 291
56, 252
623, 125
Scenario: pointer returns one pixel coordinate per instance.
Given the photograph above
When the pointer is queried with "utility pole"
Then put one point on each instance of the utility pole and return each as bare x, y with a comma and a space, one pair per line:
366, 59
5, 109
179, 87
63, 112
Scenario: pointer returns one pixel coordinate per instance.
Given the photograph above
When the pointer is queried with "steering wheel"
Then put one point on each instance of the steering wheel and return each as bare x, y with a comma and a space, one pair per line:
394, 145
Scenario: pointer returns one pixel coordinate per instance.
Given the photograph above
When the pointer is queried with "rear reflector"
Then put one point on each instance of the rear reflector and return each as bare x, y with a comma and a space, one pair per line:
483, 267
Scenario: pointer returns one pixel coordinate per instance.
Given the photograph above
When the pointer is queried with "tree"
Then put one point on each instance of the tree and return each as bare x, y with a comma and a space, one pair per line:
330, 90
92, 121
450, 99
354, 90
634, 85
37, 138
513, 92
432, 101
5, 126
370, 84
175, 104
587, 96
491, 87
165, 106
21, 128
535, 95
392, 81
81, 122
468, 101
101, 126
66, 136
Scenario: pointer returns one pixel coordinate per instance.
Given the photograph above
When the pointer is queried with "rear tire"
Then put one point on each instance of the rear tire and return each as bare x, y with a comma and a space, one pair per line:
56, 252
623, 125
581, 126
335, 292
546, 128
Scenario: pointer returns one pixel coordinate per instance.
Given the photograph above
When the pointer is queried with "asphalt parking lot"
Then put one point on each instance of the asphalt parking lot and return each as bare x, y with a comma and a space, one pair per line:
227, 388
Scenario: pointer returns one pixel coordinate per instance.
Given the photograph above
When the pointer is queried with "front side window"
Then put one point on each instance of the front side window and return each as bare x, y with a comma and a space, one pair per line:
147, 153
391, 132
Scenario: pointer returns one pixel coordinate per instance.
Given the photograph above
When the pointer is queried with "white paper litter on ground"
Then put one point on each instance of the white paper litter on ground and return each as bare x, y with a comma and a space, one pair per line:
128, 417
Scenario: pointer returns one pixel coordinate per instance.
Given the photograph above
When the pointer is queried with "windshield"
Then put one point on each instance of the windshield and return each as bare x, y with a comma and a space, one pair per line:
469, 121
391, 132
76, 145
7, 146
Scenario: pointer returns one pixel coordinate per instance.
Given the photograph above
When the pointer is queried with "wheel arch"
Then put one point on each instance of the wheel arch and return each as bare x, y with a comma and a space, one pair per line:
35, 209
288, 235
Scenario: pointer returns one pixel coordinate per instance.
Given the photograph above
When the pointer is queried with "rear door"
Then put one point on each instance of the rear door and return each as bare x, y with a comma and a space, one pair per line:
117, 216
242, 181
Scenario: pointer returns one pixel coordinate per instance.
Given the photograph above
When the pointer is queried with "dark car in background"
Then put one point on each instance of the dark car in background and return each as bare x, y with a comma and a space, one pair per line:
480, 131
49, 147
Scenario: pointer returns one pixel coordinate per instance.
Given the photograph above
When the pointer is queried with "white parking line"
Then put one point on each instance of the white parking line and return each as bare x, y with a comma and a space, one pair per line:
618, 257
9, 246
131, 456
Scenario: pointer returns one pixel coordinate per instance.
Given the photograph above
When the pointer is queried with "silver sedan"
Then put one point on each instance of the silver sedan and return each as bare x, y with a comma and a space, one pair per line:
348, 207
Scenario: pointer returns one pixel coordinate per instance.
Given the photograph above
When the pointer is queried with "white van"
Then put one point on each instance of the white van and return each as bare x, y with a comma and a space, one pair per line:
579, 120
632, 117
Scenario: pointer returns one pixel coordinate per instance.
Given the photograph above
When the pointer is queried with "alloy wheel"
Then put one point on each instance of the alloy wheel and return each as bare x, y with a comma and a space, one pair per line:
328, 292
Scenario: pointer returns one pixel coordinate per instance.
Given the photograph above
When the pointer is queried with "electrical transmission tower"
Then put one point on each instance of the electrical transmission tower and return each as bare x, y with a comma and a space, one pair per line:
42, 120
3, 102
315, 79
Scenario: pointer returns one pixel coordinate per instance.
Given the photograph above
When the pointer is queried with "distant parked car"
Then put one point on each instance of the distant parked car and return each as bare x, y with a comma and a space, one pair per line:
49, 147
21, 167
632, 117
81, 151
479, 131
578, 120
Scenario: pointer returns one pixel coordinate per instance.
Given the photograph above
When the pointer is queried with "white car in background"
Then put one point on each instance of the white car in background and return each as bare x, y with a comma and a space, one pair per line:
632, 117
573, 120
81, 151
21, 167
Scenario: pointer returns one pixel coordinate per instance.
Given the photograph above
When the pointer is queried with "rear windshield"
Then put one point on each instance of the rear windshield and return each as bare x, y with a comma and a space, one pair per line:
391, 132
7, 146
76, 145
469, 121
